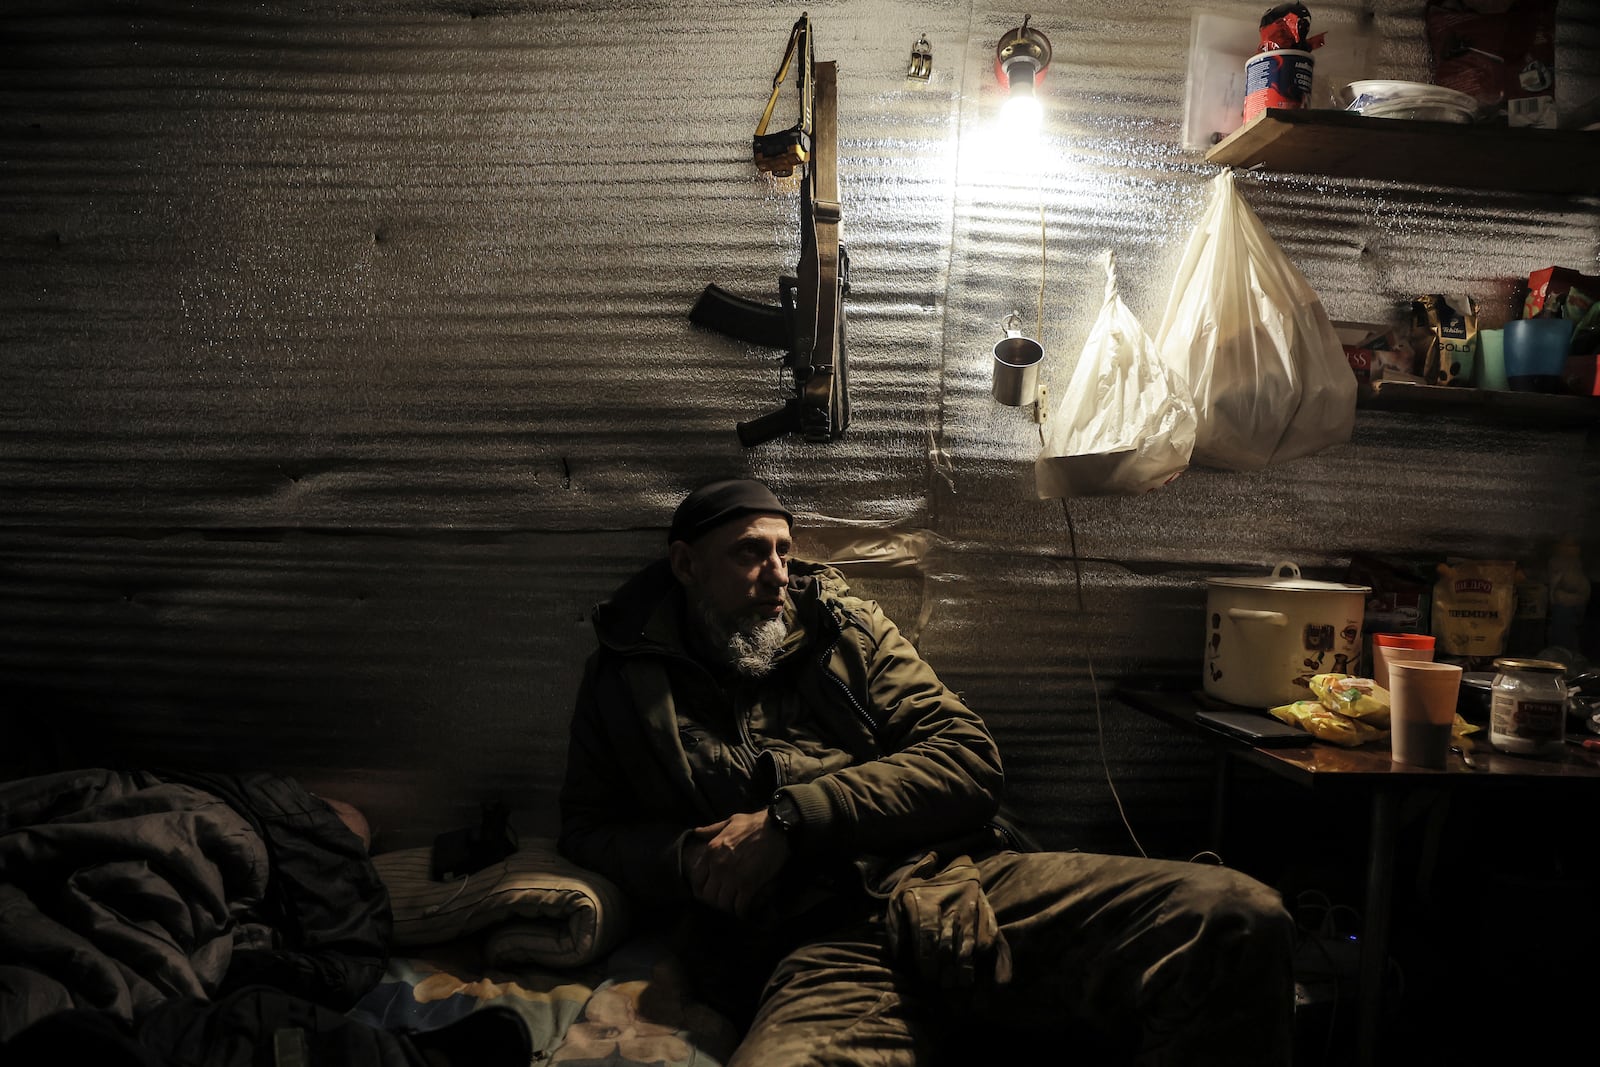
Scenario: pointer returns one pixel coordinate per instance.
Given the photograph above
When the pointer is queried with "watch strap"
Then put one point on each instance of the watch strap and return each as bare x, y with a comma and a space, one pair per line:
785, 812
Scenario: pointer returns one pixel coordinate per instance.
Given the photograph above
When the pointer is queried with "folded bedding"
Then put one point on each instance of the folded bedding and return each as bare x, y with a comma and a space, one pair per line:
533, 907
540, 936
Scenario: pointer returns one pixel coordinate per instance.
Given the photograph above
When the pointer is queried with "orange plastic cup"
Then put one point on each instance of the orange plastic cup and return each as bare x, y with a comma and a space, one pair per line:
1386, 648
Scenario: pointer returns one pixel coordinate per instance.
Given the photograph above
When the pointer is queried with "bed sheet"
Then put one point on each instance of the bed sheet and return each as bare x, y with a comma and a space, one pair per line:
631, 1008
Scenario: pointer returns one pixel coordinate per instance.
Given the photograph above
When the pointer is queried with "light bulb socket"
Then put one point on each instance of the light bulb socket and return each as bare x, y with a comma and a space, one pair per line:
1021, 57
1020, 74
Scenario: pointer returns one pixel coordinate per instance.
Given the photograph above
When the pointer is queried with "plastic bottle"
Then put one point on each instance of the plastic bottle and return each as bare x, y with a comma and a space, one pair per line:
1531, 619
1569, 594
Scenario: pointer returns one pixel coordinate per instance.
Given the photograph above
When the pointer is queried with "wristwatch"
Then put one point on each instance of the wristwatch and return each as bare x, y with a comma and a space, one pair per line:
786, 813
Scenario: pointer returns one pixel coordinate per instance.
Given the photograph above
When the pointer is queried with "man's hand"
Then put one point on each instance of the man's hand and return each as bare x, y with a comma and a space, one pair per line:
729, 862
945, 925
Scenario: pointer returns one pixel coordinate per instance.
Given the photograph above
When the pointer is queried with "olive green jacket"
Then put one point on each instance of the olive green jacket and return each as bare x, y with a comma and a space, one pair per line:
885, 762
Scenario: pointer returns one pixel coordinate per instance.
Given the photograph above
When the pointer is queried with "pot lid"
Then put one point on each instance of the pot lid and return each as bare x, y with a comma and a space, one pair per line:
1547, 666
1286, 576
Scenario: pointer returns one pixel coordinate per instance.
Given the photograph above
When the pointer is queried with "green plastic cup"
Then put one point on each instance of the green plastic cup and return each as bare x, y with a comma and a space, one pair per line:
1492, 360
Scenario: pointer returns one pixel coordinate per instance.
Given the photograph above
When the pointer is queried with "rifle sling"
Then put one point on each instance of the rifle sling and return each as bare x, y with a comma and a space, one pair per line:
818, 387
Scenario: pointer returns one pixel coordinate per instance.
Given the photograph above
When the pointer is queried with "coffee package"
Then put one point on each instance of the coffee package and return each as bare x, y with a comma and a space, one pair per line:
1444, 331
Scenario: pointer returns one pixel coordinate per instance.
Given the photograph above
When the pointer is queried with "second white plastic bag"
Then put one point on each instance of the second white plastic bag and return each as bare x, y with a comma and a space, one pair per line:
1248, 333
1126, 423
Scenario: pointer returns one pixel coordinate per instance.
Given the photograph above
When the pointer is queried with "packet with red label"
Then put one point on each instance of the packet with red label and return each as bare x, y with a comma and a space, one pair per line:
1501, 53
1548, 288
1288, 26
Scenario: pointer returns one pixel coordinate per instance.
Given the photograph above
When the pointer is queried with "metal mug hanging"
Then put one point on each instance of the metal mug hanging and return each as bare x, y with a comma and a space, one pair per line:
1016, 366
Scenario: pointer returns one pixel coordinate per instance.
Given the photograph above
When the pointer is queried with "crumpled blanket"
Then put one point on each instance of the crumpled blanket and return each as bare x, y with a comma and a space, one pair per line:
124, 890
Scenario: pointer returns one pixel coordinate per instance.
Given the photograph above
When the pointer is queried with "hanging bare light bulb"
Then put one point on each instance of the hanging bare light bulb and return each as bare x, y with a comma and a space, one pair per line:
1020, 60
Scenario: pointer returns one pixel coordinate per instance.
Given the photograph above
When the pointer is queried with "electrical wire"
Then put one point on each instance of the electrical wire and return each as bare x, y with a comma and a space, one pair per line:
1038, 330
1317, 925
1077, 564
434, 909
1094, 683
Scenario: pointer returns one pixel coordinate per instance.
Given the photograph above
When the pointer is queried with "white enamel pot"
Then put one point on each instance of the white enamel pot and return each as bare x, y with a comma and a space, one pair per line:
1266, 637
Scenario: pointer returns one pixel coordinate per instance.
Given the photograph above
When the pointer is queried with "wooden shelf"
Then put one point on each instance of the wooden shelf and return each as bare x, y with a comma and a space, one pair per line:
1548, 409
1343, 144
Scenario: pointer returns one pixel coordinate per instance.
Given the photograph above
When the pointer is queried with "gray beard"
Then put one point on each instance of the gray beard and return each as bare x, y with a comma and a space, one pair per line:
751, 649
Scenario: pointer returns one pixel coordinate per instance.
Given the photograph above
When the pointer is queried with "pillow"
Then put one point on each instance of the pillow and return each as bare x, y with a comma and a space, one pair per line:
546, 909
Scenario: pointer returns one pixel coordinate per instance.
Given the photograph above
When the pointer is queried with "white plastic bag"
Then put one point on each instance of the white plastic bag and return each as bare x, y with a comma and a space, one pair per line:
1126, 423
1267, 371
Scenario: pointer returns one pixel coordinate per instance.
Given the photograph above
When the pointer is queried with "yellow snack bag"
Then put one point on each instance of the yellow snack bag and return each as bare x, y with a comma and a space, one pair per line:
1326, 725
1355, 698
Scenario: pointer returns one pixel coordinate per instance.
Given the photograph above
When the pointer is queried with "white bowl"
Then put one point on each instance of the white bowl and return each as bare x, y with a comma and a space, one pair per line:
1381, 99
1428, 112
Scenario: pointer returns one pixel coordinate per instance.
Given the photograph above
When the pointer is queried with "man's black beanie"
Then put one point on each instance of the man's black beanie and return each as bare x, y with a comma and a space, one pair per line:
715, 503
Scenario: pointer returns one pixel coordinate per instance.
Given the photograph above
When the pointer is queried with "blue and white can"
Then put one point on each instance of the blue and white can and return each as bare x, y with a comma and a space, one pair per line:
1279, 78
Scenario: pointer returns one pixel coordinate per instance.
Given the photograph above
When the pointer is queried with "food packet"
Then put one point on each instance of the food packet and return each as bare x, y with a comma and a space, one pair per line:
1346, 732
1586, 332
1377, 353
1401, 595
1288, 26
1445, 331
1501, 52
1473, 604
1326, 725
1548, 290
1361, 699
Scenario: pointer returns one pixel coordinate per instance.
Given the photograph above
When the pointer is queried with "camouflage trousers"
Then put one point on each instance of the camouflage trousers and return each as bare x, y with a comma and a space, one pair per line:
1150, 962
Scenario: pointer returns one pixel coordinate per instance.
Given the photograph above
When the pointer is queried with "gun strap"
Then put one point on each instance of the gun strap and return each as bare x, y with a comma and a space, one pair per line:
799, 43
822, 418
779, 154
825, 166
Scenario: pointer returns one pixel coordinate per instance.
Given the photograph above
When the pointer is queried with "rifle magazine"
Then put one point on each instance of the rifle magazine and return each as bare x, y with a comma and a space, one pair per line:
741, 318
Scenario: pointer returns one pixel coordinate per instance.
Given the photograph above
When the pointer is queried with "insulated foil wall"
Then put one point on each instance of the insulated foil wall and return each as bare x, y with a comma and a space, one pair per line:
344, 364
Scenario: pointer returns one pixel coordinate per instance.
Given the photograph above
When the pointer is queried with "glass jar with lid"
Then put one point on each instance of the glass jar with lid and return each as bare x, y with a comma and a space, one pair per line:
1528, 707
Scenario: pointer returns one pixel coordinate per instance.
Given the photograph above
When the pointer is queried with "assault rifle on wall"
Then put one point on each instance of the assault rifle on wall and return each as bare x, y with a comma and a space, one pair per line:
809, 320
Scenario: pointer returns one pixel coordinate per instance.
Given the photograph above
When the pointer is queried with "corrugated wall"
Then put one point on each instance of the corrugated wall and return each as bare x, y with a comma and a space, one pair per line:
344, 364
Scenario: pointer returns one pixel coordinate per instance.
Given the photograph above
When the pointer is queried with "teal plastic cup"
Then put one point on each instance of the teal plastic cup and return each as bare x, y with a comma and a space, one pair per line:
1536, 354
1492, 360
